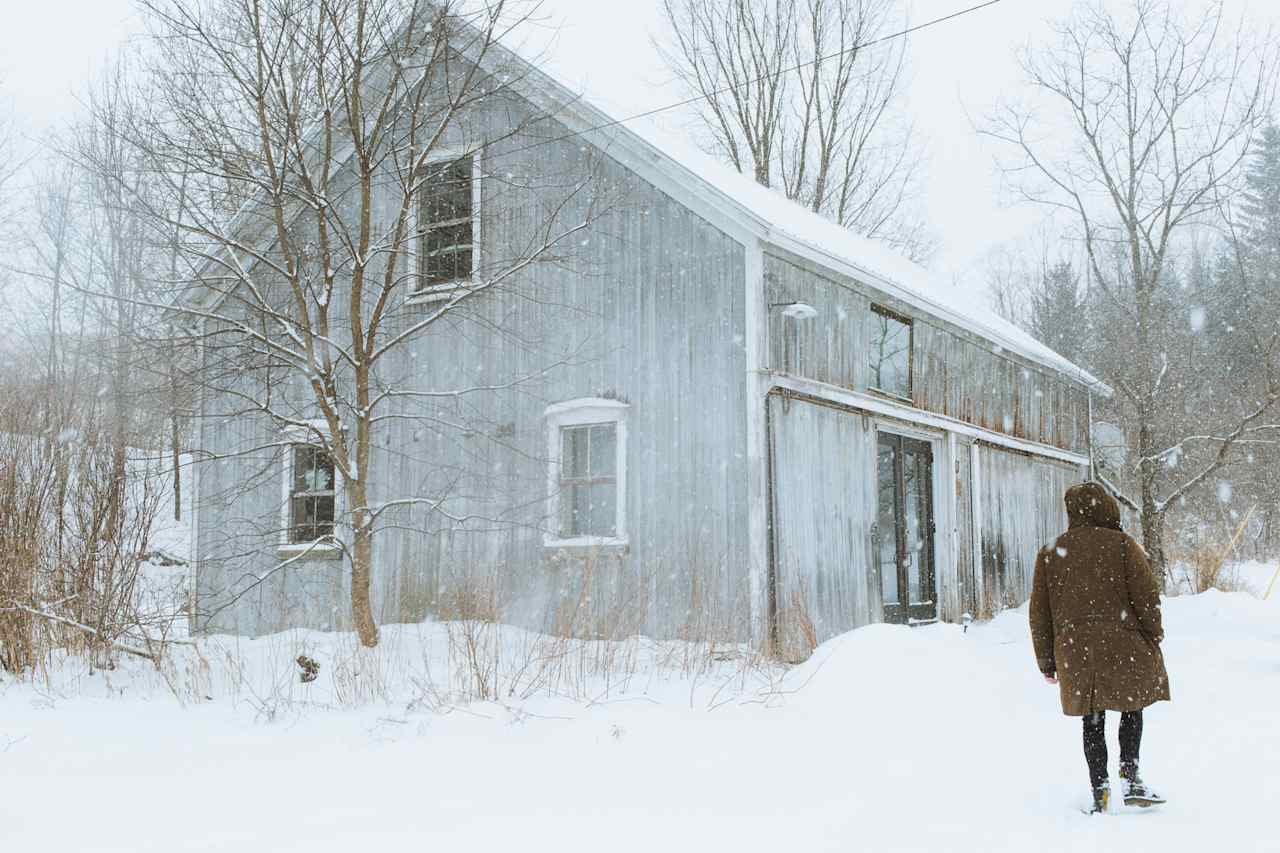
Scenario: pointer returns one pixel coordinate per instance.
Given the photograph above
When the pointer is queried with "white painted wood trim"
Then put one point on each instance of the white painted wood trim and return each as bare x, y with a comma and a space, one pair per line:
585, 405
756, 329
975, 497
586, 411
881, 406
955, 601
197, 464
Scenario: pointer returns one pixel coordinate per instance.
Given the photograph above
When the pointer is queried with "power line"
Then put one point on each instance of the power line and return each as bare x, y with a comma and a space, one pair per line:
726, 89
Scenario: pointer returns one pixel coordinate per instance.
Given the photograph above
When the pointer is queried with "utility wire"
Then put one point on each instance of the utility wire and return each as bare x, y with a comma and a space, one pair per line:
726, 89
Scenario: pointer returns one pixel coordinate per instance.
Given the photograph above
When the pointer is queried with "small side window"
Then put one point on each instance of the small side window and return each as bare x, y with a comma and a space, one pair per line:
311, 494
889, 337
587, 449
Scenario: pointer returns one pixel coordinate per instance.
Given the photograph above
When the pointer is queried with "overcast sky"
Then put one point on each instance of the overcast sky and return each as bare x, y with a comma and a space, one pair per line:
958, 70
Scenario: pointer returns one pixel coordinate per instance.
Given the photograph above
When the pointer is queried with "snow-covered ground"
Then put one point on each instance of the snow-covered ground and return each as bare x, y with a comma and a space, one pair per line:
888, 739
1257, 577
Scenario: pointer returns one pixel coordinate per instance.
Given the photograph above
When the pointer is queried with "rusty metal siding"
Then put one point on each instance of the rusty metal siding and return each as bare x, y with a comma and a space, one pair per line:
954, 372
1021, 511
824, 507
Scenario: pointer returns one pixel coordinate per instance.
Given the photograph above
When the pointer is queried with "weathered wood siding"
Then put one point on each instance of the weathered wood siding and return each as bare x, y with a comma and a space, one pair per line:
965, 380
644, 305
1021, 509
954, 372
965, 540
824, 495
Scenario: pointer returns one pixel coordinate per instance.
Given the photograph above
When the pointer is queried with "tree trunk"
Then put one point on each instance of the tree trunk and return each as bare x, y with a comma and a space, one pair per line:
362, 565
177, 474
1152, 515
762, 171
1153, 539
175, 439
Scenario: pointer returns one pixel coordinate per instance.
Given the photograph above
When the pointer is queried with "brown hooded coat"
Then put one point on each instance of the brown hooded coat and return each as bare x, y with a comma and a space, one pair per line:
1095, 611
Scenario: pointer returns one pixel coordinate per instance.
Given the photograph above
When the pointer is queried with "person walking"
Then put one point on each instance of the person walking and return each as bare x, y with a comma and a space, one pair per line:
1096, 631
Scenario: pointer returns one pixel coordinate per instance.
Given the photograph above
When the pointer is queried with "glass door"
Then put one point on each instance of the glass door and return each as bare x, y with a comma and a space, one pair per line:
904, 529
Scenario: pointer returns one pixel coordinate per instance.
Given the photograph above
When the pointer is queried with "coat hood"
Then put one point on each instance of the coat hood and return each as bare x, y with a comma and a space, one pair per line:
1091, 505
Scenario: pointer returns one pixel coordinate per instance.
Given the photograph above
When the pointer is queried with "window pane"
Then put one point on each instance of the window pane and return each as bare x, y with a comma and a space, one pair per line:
574, 445
312, 518
321, 478
602, 509
603, 450
312, 470
887, 519
311, 500
446, 193
443, 238
303, 462
918, 479
588, 509
446, 266
574, 510
890, 350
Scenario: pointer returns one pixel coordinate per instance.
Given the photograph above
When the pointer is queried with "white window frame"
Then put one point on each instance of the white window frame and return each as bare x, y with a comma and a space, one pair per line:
293, 437
445, 289
586, 411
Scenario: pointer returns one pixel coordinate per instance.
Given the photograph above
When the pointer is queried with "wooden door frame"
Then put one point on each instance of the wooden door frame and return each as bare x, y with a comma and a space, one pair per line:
939, 460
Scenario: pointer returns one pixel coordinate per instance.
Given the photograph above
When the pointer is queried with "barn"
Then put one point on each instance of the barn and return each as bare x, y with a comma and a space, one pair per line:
720, 415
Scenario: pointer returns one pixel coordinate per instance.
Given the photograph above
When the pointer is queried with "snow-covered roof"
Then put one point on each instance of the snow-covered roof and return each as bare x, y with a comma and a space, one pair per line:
604, 54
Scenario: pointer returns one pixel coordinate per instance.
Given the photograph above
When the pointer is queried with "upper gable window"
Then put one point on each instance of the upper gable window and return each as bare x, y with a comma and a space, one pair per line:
447, 223
890, 352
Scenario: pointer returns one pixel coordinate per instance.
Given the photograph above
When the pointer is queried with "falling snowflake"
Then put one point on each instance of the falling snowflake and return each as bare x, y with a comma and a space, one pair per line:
1224, 491
1197, 319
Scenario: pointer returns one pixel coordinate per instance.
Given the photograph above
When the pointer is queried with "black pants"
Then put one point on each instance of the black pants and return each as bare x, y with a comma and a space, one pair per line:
1095, 743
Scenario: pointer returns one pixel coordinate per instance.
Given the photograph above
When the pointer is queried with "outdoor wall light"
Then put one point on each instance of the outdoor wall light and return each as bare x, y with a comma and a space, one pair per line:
796, 310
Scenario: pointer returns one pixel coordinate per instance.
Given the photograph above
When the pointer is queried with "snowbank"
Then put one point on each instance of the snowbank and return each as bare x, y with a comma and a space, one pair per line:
887, 739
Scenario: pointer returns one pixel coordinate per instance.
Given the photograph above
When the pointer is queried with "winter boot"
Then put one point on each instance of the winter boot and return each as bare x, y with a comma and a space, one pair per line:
1136, 793
1101, 799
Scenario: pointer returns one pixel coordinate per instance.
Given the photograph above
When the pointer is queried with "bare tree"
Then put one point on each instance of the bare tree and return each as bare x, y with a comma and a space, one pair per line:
313, 143
792, 94
8, 168
1152, 119
9, 163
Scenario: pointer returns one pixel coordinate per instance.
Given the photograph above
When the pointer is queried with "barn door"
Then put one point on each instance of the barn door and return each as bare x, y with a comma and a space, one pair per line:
905, 529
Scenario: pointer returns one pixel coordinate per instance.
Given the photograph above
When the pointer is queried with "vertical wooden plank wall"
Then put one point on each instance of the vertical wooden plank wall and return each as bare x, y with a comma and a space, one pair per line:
645, 305
1021, 512
964, 527
824, 497
954, 373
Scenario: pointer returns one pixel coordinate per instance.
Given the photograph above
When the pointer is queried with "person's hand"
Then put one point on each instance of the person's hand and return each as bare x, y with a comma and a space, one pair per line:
1050, 678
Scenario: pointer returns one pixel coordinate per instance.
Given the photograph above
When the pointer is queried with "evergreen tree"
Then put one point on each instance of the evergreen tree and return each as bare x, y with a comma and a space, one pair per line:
1057, 311
1247, 331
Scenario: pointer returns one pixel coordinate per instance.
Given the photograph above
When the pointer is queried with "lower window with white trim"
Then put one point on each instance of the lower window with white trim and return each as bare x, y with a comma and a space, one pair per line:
587, 444
312, 495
